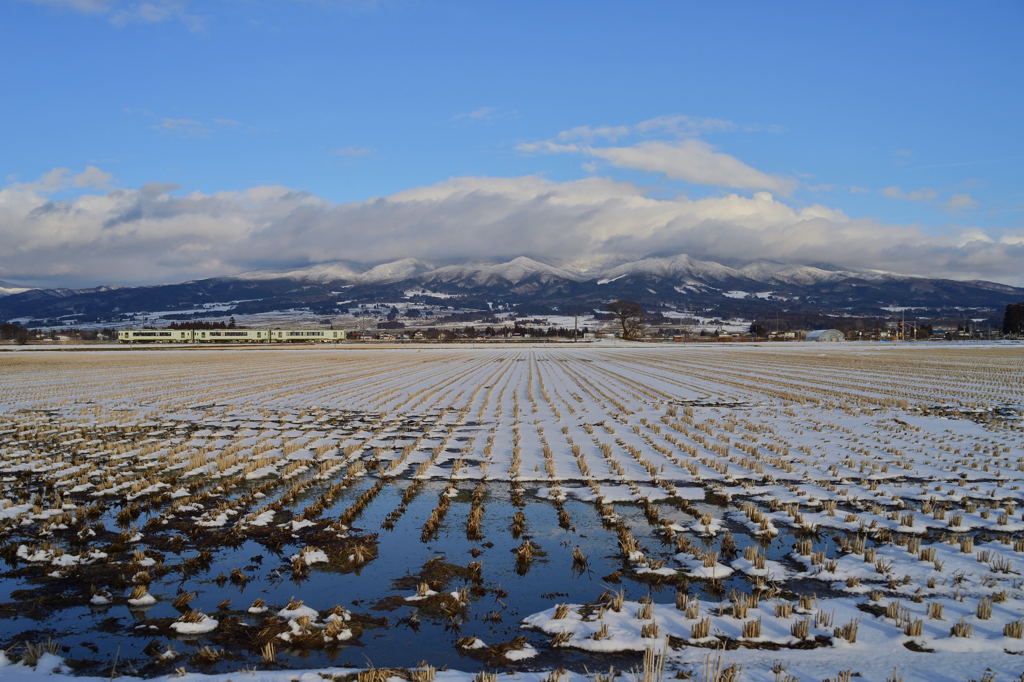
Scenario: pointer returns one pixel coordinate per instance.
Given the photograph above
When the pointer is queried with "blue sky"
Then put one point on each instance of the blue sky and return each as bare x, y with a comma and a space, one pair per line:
896, 124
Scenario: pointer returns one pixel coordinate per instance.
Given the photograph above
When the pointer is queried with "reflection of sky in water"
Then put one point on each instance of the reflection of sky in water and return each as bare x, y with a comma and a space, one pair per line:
97, 634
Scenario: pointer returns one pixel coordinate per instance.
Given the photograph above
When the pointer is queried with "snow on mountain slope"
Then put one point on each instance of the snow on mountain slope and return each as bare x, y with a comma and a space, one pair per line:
681, 267
321, 272
404, 268
767, 271
692, 271
804, 275
479, 274
514, 271
394, 271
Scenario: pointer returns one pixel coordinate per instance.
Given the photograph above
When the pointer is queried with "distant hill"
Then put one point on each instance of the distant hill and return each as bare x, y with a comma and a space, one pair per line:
529, 286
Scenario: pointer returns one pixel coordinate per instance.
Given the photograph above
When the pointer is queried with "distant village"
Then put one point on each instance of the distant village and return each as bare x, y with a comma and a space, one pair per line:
390, 326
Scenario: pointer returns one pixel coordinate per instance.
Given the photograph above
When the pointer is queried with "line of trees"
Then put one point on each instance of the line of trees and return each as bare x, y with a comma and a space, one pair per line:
472, 332
203, 324
1013, 319
14, 332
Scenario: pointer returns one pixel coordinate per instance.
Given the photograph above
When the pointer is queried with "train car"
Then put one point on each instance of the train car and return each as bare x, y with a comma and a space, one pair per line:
232, 336
307, 335
155, 335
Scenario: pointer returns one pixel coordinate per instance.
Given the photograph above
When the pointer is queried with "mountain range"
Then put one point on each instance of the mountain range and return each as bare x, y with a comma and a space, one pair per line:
525, 285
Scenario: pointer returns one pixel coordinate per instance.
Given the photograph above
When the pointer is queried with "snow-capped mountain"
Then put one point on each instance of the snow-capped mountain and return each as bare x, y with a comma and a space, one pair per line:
467, 274
344, 271
687, 270
530, 285
320, 272
514, 271
394, 271
804, 275
682, 268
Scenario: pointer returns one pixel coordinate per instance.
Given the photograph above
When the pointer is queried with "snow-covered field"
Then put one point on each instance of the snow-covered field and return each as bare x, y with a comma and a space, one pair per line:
807, 510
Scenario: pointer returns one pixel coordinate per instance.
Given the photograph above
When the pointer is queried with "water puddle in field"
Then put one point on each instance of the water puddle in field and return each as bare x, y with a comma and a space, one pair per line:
391, 630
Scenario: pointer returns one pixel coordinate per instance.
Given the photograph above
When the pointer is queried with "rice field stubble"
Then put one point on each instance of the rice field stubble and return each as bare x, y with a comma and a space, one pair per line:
509, 507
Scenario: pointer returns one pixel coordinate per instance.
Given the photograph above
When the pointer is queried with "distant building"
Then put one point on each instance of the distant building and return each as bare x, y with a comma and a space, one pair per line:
826, 335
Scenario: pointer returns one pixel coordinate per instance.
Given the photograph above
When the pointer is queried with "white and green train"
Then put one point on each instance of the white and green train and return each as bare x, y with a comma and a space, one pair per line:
230, 335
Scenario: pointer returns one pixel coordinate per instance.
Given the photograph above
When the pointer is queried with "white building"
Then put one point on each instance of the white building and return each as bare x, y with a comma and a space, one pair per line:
826, 335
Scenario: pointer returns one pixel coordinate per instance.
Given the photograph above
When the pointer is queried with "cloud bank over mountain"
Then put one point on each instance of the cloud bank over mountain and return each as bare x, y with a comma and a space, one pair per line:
157, 233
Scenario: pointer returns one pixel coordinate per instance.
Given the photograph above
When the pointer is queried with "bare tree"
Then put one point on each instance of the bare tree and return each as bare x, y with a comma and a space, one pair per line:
630, 315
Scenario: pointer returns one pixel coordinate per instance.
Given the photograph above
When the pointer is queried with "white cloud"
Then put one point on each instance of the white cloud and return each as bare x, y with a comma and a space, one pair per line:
483, 114
185, 127
922, 194
93, 178
956, 203
157, 233
677, 154
60, 179
182, 126
690, 160
351, 151
672, 126
125, 12
693, 161
589, 134
960, 202
86, 6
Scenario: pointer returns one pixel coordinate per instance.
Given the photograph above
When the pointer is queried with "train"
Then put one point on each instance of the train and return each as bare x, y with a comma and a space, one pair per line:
230, 335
